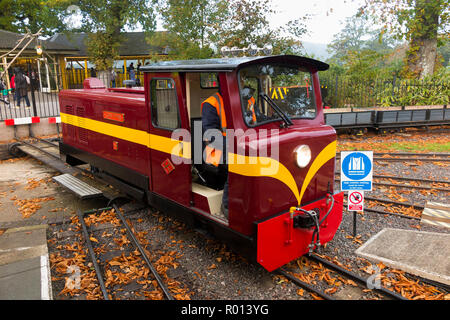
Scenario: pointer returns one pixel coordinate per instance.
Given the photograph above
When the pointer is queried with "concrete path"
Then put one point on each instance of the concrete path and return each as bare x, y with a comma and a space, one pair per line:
425, 254
24, 264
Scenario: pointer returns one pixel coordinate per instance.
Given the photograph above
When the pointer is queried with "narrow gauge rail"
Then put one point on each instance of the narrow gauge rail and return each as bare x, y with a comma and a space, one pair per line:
408, 205
136, 243
409, 154
403, 204
48, 142
362, 280
353, 276
380, 176
85, 231
350, 275
308, 287
40, 148
391, 213
434, 159
53, 160
407, 186
304, 285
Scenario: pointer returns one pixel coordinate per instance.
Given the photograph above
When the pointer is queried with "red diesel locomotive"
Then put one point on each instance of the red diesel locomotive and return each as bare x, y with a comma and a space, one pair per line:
280, 155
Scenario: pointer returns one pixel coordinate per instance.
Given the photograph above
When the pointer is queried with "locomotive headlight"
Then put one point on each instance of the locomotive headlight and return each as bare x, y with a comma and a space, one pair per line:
303, 155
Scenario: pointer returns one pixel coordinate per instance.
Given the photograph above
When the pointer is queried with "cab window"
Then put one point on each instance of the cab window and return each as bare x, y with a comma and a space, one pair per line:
164, 104
266, 87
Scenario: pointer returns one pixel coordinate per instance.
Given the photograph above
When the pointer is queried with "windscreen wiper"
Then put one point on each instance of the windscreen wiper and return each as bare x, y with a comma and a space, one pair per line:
277, 109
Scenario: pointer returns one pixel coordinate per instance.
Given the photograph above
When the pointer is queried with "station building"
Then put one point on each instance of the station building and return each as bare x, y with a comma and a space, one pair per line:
64, 61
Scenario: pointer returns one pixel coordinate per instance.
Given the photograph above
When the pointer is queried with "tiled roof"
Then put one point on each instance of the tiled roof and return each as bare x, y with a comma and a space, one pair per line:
134, 43
8, 40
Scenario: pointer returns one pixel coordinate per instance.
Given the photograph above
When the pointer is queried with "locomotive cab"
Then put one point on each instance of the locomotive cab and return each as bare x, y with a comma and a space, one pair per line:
278, 156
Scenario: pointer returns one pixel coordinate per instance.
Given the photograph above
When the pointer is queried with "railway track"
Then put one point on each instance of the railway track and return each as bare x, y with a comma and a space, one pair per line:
436, 185
408, 154
332, 272
387, 177
399, 205
108, 266
422, 157
102, 271
165, 291
415, 183
351, 278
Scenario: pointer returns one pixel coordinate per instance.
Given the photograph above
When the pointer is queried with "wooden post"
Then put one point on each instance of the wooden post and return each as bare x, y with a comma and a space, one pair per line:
55, 70
62, 67
85, 69
74, 74
5, 64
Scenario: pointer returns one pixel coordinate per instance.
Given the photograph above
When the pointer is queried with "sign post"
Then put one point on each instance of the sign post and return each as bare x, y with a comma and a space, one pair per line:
356, 177
355, 202
356, 170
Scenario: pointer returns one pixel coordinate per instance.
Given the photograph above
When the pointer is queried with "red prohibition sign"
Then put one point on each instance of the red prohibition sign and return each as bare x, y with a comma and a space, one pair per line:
355, 197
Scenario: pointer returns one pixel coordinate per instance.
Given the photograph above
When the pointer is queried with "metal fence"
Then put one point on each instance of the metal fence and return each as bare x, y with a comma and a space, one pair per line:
36, 103
75, 77
341, 92
336, 92
42, 97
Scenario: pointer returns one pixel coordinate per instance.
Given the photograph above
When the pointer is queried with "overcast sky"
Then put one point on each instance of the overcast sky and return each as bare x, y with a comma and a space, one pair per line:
326, 19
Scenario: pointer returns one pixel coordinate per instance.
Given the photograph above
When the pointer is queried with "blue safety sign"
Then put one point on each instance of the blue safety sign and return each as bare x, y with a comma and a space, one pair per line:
356, 170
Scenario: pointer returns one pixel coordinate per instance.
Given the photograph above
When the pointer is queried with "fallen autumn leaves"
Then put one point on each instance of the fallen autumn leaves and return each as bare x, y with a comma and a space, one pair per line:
396, 280
28, 207
126, 269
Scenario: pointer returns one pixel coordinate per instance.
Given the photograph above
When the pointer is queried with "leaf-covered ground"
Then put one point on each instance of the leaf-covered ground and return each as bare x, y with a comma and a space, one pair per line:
410, 141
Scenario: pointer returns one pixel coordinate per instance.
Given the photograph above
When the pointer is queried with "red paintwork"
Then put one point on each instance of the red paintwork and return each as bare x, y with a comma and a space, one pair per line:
177, 185
201, 202
91, 103
251, 199
128, 90
93, 83
279, 242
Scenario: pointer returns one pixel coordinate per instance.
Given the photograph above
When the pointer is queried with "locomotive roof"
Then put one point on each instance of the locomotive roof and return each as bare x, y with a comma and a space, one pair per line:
229, 64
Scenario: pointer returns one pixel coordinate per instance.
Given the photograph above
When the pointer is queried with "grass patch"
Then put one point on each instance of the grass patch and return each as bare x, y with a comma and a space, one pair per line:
421, 146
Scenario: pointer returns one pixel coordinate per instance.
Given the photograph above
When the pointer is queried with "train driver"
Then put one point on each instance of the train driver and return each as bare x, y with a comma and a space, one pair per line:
247, 95
213, 117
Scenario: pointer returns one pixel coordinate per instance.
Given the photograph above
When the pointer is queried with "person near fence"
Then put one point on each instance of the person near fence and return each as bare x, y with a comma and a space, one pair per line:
131, 71
138, 75
113, 78
4, 92
34, 80
12, 84
21, 83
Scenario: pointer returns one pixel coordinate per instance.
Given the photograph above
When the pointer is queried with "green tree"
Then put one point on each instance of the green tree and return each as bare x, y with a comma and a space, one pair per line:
363, 52
20, 15
444, 52
350, 38
420, 22
190, 27
197, 28
245, 23
105, 20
